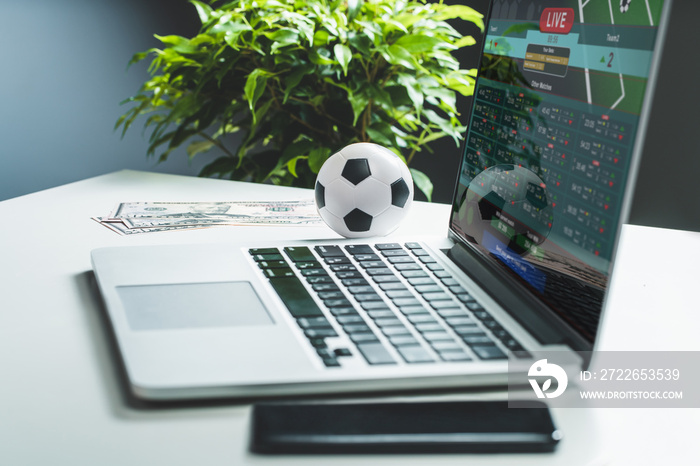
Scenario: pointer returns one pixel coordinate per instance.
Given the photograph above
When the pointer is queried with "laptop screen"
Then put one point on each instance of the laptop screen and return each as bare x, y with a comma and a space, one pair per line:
548, 156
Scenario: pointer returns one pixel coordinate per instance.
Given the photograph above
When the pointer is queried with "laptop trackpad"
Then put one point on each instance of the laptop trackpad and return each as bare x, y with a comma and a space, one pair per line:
192, 305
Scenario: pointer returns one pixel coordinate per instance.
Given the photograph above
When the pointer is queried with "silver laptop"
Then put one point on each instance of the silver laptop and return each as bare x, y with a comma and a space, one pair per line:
550, 156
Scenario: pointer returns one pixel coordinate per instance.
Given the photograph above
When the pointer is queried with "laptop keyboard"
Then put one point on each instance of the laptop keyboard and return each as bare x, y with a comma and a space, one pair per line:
407, 306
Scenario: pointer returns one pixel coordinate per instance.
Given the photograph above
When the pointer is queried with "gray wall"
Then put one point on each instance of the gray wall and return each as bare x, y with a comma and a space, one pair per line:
63, 74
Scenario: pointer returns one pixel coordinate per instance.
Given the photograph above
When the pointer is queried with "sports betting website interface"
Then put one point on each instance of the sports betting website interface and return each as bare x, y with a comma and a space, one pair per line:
556, 110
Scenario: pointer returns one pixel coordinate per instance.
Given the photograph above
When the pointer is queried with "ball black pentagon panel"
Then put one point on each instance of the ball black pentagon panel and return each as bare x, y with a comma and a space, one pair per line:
358, 220
399, 193
356, 170
320, 193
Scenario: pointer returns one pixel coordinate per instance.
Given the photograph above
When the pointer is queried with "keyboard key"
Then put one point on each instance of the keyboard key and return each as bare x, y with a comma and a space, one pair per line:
319, 279
401, 293
355, 249
295, 297
259, 251
440, 296
325, 287
396, 285
446, 346
368, 297
402, 340
413, 245
354, 282
439, 335
314, 272
361, 289
400, 260
385, 278
268, 257
277, 273
350, 319
330, 294
375, 353
337, 303
300, 254
363, 337
407, 266
421, 281
431, 288
413, 273
414, 354
372, 264
373, 305
379, 271
427, 259
273, 264
476, 339
421, 318
331, 362
448, 281
394, 253
419, 252
454, 356
342, 352
457, 321
395, 330
313, 322
388, 322
445, 313
332, 260
469, 329
343, 268
381, 313
328, 251
320, 333
385, 246
344, 311
409, 310
348, 274
428, 327
489, 352
400, 302
457, 289
366, 257
435, 267
357, 328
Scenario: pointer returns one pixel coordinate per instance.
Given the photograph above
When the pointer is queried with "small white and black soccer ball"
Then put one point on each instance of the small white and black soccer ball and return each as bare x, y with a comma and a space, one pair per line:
624, 5
363, 190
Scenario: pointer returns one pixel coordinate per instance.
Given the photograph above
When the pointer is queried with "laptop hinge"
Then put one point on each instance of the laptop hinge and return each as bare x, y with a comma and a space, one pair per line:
538, 320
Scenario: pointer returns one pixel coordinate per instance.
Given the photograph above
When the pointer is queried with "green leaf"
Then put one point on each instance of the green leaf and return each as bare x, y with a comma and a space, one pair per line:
203, 10
198, 147
462, 12
317, 157
423, 183
422, 43
254, 86
414, 90
397, 55
292, 165
354, 7
343, 54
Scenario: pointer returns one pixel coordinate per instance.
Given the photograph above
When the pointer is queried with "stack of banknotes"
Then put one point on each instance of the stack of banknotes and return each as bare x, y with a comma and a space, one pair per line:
130, 218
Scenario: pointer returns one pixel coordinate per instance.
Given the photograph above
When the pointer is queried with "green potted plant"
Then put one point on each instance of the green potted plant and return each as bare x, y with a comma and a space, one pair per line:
277, 86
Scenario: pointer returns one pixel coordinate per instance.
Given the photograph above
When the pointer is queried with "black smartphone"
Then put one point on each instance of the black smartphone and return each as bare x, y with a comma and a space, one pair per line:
402, 427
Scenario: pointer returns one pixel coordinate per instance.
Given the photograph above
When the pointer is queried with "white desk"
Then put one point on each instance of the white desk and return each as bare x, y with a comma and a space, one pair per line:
61, 402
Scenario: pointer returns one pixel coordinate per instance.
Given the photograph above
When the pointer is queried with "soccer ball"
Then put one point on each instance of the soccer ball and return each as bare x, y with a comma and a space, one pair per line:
363, 190
624, 5
506, 206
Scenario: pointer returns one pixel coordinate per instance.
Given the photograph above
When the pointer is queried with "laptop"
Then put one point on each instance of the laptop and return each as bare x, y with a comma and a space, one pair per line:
548, 165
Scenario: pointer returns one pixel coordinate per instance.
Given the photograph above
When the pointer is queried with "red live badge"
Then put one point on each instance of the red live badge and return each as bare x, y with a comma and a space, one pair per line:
557, 20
